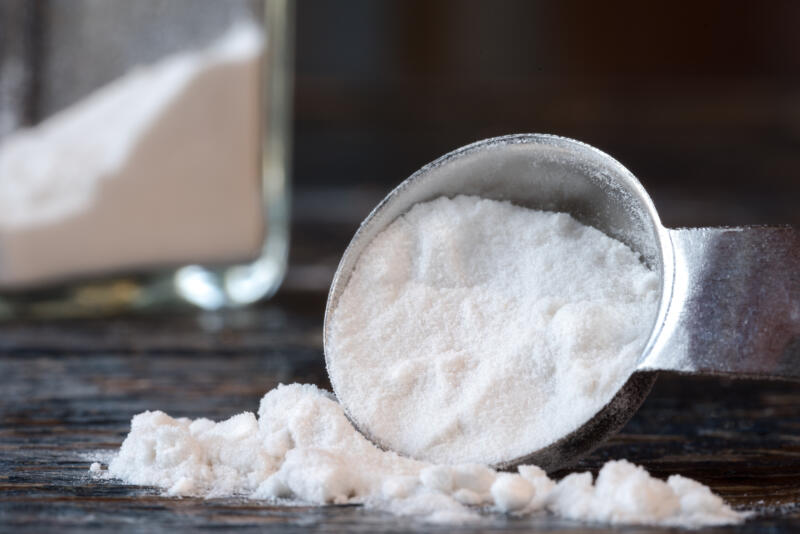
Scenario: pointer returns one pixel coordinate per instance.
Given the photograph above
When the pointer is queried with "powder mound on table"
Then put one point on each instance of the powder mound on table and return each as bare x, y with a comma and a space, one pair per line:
302, 447
474, 330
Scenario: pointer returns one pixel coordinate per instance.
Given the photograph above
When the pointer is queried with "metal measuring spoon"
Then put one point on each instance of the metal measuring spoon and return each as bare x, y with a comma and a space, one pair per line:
730, 297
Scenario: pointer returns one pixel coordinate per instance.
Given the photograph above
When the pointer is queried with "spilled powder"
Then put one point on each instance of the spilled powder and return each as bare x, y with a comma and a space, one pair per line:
474, 330
302, 447
471, 332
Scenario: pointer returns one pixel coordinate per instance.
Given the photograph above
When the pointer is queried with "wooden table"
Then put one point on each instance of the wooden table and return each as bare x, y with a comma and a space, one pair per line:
69, 389
711, 149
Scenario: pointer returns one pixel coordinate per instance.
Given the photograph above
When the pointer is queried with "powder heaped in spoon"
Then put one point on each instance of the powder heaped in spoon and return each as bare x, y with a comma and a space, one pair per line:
474, 330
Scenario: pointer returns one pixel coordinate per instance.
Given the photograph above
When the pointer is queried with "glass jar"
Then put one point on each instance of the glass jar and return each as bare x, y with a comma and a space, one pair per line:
143, 154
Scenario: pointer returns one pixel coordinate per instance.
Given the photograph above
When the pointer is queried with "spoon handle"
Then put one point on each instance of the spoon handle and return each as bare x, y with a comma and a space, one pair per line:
734, 304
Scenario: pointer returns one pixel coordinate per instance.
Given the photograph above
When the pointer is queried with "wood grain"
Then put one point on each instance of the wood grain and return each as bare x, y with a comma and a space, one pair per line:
69, 389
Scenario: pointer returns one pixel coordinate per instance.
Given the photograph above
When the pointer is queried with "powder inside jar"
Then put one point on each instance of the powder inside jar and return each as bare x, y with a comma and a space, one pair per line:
159, 168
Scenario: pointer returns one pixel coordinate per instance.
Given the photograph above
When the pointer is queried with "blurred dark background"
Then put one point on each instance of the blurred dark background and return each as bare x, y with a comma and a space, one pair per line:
700, 100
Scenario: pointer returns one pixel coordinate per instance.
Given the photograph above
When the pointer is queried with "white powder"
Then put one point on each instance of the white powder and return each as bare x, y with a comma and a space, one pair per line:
302, 447
160, 167
473, 330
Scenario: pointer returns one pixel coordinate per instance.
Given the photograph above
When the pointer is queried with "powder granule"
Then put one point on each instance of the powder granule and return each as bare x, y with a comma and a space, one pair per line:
625, 493
302, 447
474, 330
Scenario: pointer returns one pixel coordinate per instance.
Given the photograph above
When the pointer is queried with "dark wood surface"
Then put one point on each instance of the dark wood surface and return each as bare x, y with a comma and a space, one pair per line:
715, 144
68, 391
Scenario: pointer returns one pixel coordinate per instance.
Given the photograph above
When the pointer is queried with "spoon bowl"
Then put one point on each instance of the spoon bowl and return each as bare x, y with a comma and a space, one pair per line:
554, 173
